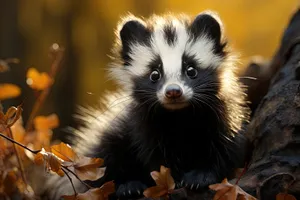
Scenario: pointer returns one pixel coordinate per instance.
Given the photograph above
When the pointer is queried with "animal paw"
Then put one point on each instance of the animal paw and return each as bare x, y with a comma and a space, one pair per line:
130, 189
197, 180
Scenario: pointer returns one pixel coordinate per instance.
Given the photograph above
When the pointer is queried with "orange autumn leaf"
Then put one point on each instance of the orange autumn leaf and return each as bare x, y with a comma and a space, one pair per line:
88, 168
155, 192
46, 122
64, 152
37, 80
8, 91
227, 191
164, 184
107, 189
101, 193
284, 196
86, 162
51, 161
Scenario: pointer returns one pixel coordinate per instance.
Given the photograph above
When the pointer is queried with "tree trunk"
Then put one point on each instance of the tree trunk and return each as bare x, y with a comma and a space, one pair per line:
275, 127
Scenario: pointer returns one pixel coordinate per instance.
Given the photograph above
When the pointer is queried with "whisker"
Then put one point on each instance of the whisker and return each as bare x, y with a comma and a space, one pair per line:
248, 77
203, 99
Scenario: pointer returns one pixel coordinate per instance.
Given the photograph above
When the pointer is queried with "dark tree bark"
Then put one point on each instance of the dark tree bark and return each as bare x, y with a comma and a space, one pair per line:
275, 127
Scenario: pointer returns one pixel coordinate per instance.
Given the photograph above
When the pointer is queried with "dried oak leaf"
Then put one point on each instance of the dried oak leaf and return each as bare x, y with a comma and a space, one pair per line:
88, 168
64, 152
8, 91
101, 193
285, 196
46, 122
227, 191
37, 80
50, 160
164, 184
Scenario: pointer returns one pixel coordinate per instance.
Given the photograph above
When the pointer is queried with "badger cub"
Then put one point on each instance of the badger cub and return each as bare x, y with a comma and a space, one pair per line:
179, 105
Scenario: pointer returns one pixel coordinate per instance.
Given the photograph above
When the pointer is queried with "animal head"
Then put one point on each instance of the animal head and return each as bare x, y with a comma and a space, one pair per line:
176, 61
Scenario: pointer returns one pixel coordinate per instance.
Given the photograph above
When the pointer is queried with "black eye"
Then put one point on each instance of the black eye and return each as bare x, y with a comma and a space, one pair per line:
155, 76
191, 72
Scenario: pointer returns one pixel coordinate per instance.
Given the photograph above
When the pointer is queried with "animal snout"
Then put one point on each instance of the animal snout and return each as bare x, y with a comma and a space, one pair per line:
173, 91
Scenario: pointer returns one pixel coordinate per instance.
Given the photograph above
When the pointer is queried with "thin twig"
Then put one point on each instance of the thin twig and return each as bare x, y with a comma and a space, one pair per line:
84, 183
75, 193
242, 174
58, 56
15, 142
18, 157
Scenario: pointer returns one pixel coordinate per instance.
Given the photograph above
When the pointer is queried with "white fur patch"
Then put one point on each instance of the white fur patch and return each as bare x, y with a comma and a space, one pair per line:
171, 56
98, 120
203, 49
142, 56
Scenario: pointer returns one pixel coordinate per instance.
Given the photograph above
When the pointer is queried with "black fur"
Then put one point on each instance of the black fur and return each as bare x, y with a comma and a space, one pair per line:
170, 34
206, 24
195, 142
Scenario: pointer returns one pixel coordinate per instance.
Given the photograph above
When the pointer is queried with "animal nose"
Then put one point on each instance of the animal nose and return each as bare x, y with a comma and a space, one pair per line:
173, 91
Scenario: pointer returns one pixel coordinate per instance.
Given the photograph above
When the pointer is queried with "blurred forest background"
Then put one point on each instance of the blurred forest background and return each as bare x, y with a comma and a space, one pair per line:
86, 29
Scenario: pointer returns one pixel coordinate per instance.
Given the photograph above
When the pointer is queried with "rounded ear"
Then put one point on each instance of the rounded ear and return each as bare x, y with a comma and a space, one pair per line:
132, 30
207, 23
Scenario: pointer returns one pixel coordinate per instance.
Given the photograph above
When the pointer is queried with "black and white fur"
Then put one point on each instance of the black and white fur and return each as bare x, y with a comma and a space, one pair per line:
179, 105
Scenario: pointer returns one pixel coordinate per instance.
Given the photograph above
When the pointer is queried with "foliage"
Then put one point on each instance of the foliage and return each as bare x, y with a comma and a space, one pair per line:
58, 158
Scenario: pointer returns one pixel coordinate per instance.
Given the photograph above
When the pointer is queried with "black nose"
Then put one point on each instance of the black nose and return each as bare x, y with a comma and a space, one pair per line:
173, 91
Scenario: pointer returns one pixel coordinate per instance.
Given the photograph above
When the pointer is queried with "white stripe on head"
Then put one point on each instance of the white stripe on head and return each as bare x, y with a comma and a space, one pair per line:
141, 56
171, 55
203, 50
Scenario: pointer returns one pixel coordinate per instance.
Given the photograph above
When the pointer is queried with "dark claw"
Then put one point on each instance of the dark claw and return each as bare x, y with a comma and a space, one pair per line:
197, 180
132, 189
